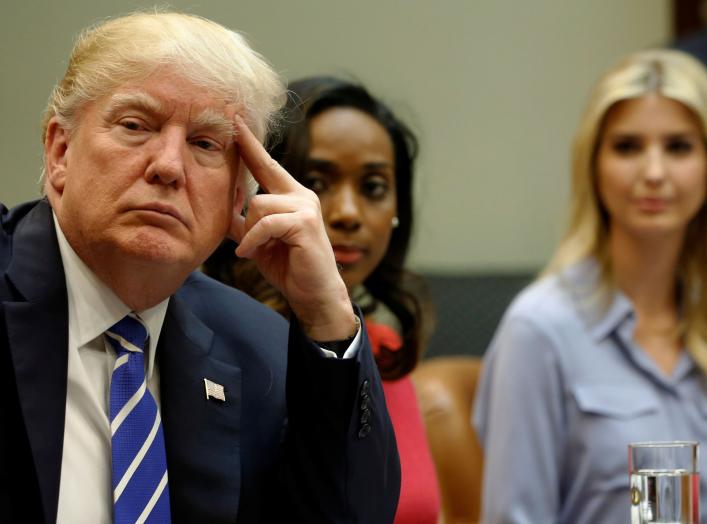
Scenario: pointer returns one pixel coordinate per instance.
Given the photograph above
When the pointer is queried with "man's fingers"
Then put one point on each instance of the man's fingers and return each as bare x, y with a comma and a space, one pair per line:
266, 171
290, 228
269, 204
267, 228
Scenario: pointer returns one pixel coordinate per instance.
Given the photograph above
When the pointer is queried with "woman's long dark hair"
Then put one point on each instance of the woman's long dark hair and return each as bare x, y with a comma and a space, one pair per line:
402, 292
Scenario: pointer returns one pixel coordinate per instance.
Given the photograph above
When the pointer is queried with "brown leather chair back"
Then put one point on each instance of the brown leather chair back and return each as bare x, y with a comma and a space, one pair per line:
445, 389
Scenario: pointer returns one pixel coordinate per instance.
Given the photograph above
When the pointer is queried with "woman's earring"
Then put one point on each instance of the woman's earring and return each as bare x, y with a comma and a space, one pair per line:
395, 222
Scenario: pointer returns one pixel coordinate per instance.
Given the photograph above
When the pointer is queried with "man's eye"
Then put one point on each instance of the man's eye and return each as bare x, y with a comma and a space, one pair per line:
131, 125
206, 145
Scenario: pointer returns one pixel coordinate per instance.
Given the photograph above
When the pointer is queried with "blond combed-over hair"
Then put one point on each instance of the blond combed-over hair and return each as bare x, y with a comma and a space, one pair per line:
675, 75
132, 47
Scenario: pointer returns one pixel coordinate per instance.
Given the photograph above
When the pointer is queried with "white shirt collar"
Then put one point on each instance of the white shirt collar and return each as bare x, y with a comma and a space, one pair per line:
94, 307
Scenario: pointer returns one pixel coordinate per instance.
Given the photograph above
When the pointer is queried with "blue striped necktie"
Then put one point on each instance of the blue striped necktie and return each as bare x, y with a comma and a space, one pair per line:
140, 491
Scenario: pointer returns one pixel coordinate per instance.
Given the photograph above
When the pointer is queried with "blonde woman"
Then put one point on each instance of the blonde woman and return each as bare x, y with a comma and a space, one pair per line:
610, 345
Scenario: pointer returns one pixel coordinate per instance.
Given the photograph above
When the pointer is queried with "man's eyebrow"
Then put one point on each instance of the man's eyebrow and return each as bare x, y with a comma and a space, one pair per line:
214, 121
140, 101
209, 118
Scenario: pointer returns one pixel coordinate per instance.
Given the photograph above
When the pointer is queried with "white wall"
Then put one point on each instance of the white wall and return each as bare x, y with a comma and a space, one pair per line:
494, 90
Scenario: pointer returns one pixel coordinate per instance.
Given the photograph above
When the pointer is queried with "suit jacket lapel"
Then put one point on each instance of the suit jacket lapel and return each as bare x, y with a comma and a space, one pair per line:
37, 329
204, 478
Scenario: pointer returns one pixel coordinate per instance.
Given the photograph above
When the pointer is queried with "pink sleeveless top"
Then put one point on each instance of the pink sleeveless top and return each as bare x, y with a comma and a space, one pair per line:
419, 492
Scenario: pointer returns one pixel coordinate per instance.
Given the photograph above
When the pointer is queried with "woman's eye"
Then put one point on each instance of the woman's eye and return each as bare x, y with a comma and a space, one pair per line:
626, 147
679, 147
375, 187
315, 182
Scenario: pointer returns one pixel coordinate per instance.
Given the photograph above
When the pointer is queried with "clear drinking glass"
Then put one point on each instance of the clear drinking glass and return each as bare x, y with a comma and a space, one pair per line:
665, 482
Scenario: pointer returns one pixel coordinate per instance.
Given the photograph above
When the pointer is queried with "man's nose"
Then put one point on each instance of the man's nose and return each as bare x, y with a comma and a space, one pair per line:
168, 159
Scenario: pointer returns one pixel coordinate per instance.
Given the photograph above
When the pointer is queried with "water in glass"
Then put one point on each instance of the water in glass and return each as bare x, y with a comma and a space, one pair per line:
665, 497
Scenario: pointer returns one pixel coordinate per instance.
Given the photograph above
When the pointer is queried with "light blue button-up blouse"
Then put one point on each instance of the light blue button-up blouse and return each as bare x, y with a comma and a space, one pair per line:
564, 390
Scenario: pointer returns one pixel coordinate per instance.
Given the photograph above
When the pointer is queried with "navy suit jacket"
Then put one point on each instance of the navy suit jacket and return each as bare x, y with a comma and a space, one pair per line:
300, 438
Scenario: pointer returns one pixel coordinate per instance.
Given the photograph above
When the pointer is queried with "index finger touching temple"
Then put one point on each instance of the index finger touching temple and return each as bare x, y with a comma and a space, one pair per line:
266, 171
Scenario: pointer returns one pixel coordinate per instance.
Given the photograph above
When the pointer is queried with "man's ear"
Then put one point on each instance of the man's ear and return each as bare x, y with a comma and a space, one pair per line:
241, 194
242, 191
56, 147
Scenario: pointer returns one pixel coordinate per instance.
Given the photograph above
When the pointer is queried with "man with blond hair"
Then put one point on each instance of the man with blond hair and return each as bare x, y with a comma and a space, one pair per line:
135, 389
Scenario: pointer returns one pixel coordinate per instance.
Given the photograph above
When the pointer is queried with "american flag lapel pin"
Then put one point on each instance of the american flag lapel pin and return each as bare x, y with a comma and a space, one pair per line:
214, 390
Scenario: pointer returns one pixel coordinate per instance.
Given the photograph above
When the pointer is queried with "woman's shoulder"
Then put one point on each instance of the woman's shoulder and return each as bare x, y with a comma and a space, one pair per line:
560, 305
548, 299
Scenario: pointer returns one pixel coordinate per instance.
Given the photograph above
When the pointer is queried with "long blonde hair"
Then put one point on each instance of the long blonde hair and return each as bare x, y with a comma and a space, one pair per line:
674, 75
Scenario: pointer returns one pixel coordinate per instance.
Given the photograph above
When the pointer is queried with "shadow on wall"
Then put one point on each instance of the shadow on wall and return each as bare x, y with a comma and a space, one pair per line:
469, 308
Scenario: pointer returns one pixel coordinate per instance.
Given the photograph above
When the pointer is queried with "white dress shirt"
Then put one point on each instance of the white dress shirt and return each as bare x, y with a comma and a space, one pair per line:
85, 489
